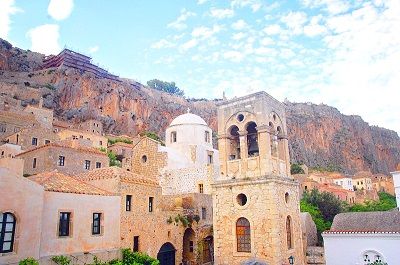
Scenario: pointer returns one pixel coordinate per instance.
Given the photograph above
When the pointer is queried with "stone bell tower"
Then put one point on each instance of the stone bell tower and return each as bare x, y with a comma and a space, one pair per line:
255, 200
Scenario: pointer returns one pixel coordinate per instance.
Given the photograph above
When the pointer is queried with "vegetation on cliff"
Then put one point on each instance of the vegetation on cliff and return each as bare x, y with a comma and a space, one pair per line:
169, 87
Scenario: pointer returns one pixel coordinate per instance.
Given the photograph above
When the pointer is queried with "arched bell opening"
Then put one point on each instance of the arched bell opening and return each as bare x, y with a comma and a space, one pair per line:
234, 143
252, 139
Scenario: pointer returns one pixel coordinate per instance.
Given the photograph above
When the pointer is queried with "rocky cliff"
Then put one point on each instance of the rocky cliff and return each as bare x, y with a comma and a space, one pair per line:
319, 135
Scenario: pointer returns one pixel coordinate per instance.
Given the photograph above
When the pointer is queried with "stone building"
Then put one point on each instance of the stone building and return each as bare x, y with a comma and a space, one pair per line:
362, 181
69, 157
255, 200
33, 137
12, 122
96, 139
42, 115
54, 214
383, 183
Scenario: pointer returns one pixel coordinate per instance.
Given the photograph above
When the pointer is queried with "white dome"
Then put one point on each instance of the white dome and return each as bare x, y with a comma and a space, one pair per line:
188, 118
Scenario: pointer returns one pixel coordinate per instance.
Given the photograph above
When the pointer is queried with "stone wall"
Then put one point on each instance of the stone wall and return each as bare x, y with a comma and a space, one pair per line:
25, 136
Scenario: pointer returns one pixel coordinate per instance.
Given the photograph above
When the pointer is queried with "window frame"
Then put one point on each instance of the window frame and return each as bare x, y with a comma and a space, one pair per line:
3, 225
96, 217
289, 234
128, 203
151, 204
174, 137
135, 247
34, 162
98, 164
87, 164
243, 238
201, 188
207, 136
67, 232
61, 161
203, 213
35, 141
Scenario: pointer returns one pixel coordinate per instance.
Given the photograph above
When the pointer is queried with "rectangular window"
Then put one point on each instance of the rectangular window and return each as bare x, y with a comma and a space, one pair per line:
74, 137
191, 246
64, 225
203, 213
34, 163
98, 164
135, 243
96, 226
128, 203
87, 164
201, 188
173, 137
46, 141
61, 161
34, 141
210, 159
207, 136
81, 136
101, 143
151, 204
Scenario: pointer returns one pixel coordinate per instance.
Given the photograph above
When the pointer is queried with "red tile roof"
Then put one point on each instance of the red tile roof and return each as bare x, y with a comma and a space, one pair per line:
67, 144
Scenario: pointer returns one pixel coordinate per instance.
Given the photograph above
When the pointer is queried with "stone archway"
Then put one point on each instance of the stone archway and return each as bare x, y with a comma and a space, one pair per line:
188, 254
166, 255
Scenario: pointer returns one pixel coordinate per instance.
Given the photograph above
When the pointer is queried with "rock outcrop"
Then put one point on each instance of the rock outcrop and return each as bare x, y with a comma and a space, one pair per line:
319, 135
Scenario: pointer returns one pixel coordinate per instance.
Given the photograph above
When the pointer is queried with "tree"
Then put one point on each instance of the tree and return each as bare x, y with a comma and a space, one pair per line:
169, 87
296, 169
328, 204
386, 202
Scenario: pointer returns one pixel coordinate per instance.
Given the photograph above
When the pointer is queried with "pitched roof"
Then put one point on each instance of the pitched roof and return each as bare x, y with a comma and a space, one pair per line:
58, 182
366, 222
115, 172
67, 144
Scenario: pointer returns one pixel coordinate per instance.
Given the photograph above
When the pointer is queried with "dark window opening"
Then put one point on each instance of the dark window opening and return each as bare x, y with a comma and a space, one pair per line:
135, 243
191, 246
87, 164
7, 232
98, 164
173, 137
61, 161
289, 233
234, 143
151, 199
128, 203
46, 141
96, 226
207, 136
203, 213
210, 159
64, 225
241, 199
201, 188
34, 141
34, 163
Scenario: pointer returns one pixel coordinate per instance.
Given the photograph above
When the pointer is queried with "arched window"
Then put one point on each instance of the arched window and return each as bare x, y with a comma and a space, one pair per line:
173, 137
372, 256
234, 152
289, 233
252, 139
243, 235
7, 232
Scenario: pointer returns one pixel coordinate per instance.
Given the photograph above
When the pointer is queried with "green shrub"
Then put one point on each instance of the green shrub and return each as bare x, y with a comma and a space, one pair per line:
28, 261
61, 260
137, 258
112, 141
296, 169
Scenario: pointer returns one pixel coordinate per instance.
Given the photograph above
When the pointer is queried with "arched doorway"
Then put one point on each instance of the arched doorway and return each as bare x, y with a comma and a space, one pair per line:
166, 255
188, 255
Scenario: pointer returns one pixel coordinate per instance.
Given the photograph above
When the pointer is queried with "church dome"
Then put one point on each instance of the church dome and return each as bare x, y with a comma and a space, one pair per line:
188, 118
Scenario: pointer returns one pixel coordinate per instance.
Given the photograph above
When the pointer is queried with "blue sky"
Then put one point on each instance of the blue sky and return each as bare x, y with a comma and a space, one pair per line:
342, 53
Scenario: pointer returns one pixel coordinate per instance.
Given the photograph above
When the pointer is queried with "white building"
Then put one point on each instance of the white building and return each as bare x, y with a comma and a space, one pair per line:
192, 162
365, 237
345, 182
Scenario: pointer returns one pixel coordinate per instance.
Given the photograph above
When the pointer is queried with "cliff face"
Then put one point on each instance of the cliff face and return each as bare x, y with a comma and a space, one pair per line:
319, 135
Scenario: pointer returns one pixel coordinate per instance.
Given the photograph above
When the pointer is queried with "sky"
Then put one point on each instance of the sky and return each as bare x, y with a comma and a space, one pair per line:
342, 53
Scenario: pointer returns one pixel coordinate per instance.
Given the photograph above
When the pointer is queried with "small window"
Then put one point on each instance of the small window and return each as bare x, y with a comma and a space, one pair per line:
135, 243
240, 117
203, 213
81, 136
128, 203
210, 159
46, 141
207, 136
144, 159
98, 164
74, 137
61, 161
101, 143
201, 188
34, 141
34, 163
241, 199
287, 197
87, 164
173, 137
96, 226
64, 225
191, 248
7, 232
289, 233
151, 199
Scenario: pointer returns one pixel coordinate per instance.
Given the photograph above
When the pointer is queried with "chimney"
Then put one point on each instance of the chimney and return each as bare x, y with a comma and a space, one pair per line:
396, 183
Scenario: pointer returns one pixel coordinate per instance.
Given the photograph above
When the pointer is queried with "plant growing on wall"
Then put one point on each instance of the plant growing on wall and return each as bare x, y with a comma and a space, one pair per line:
28, 261
185, 221
377, 263
61, 260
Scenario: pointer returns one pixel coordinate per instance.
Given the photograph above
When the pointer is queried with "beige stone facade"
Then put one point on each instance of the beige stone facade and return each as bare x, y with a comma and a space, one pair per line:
97, 140
255, 201
33, 137
75, 158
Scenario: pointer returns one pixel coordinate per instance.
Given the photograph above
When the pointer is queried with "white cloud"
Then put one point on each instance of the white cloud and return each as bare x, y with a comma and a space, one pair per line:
179, 23
272, 29
239, 25
163, 43
233, 56
314, 28
189, 44
333, 7
44, 39
94, 49
200, 2
205, 32
7, 8
239, 36
221, 13
295, 21
255, 5
60, 9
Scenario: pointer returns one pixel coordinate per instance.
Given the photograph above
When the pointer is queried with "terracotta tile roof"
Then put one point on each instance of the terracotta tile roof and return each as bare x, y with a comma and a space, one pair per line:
58, 182
67, 144
367, 222
116, 172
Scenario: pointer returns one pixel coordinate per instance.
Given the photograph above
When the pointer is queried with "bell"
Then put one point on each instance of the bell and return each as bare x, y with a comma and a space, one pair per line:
253, 147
